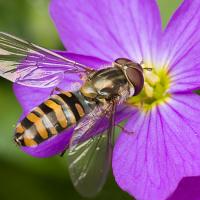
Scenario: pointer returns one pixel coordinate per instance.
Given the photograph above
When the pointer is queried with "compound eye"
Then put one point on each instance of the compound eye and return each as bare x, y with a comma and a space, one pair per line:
122, 61
136, 78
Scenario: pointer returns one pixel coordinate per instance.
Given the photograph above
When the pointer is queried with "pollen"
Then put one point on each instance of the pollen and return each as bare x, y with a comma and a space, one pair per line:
155, 90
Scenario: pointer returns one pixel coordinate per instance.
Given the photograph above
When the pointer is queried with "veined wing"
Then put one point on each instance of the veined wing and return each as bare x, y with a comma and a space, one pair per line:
28, 64
89, 159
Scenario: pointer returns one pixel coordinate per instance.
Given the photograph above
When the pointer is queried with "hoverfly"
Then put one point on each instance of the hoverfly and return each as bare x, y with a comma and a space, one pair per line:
94, 103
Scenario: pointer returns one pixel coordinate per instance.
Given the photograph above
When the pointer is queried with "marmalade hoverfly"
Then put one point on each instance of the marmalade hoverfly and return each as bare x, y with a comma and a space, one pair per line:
89, 158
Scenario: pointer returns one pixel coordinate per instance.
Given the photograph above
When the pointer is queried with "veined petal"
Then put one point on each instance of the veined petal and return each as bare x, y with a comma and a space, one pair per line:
181, 49
164, 149
108, 29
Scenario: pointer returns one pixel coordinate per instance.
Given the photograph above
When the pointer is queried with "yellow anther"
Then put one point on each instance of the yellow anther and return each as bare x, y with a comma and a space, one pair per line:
148, 90
151, 77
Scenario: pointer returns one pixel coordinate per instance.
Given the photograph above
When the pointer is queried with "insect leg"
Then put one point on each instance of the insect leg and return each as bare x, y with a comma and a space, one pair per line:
125, 130
63, 153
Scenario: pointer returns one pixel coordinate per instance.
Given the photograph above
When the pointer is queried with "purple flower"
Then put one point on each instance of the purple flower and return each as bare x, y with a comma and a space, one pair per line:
165, 116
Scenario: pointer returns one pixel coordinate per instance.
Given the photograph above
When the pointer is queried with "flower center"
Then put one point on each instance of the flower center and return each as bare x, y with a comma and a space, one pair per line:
154, 92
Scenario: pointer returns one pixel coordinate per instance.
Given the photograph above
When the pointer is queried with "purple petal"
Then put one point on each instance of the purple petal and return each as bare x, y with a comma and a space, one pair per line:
108, 29
164, 149
93, 62
182, 46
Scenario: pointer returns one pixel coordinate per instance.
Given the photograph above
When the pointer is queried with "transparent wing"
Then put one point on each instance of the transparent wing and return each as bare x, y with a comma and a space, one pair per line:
28, 64
89, 159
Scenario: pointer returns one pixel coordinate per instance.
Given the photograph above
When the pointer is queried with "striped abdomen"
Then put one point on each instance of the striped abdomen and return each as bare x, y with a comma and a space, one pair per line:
50, 118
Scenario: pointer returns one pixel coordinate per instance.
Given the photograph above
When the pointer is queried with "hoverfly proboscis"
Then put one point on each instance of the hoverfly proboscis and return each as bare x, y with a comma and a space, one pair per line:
93, 104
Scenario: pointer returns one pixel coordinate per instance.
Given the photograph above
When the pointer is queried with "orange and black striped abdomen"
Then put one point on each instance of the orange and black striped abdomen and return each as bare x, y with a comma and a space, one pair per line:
50, 118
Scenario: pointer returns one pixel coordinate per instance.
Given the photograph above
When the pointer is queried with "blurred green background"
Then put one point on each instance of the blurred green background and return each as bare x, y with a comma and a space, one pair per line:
21, 176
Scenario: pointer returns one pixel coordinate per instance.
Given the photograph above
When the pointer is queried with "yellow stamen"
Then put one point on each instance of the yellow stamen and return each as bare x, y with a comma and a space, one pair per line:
148, 90
155, 91
152, 78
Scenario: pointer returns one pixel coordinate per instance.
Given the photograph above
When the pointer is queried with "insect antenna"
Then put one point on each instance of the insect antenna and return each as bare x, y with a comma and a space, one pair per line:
148, 68
144, 66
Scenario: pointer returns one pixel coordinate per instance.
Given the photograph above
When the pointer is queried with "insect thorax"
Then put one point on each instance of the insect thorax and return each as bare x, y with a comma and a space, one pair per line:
105, 84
